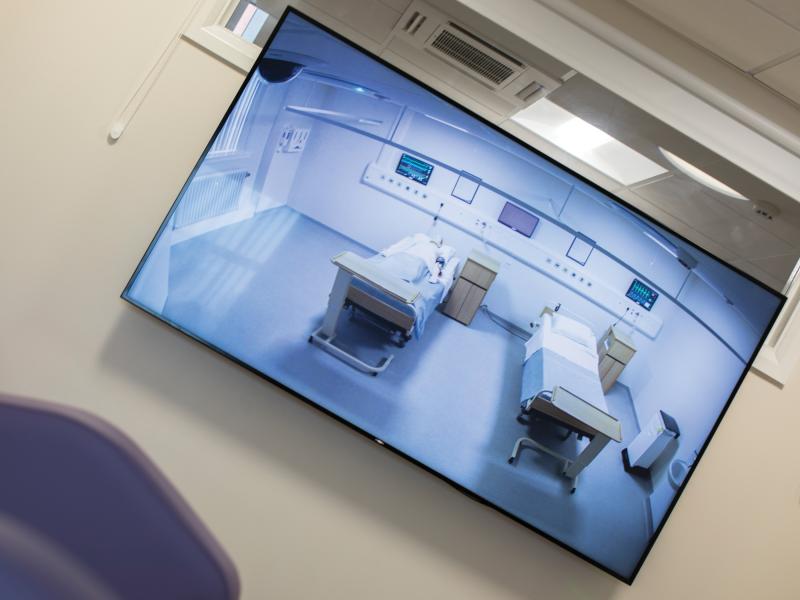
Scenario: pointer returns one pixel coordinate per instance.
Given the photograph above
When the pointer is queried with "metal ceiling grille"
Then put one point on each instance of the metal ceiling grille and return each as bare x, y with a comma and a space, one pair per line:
471, 57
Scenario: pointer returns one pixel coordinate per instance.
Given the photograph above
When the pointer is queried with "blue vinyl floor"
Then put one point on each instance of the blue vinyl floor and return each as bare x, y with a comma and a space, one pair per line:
258, 288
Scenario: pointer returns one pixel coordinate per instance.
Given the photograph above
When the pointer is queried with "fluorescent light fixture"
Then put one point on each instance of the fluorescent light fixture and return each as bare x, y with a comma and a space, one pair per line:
580, 135
681, 255
344, 84
587, 143
443, 122
334, 114
699, 176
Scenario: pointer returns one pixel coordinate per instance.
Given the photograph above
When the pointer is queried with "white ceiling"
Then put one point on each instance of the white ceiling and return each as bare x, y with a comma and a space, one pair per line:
759, 37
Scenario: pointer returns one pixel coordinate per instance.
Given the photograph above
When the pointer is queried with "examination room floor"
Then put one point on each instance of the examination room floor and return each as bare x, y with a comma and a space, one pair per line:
258, 288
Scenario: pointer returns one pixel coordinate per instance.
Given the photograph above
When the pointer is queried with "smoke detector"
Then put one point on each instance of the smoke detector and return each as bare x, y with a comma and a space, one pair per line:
765, 210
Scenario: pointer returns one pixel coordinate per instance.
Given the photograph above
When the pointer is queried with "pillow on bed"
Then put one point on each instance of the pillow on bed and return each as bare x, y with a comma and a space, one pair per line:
406, 266
572, 329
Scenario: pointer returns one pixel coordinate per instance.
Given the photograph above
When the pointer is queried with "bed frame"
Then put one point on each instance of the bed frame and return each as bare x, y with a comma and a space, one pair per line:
572, 412
578, 416
344, 294
398, 323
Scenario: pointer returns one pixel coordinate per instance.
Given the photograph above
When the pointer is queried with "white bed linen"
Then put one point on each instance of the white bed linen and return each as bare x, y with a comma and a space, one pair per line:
427, 249
546, 337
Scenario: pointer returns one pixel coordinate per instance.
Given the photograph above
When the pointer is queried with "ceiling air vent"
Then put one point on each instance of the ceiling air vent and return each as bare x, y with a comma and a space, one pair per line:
414, 22
459, 58
529, 92
473, 56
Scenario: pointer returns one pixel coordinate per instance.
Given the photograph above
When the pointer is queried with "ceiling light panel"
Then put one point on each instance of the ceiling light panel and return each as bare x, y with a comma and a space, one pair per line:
587, 143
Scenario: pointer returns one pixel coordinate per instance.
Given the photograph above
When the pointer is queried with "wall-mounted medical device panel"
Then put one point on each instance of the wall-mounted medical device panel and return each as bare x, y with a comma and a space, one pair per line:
642, 294
414, 168
526, 250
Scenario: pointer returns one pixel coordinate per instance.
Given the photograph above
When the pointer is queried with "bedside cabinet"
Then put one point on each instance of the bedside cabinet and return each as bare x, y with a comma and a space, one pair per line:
615, 350
468, 291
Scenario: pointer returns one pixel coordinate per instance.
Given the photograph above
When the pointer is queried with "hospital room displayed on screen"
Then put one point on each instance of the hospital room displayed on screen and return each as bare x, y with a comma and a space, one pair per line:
477, 307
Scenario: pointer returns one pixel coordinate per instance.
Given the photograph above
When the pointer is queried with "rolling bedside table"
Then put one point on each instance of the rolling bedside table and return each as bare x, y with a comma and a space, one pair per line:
468, 291
615, 350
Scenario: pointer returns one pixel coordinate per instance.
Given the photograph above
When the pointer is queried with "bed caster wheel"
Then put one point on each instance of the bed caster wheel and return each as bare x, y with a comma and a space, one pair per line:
510, 460
572, 491
310, 339
374, 374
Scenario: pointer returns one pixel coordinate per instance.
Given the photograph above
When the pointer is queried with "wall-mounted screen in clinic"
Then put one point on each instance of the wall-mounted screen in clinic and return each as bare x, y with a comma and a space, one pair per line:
506, 364
414, 168
642, 294
518, 220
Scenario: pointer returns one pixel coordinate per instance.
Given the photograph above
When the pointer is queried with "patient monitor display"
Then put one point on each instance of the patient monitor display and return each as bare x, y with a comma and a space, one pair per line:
519, 367
414, 168
642, 294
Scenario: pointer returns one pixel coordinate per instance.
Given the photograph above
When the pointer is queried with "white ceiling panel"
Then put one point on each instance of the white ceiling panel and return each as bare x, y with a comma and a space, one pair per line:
777, 266
785, 10
685, 199
736, 30
784, 77
398, 5
677, 225
369, 17
775, 282
746, 238
703, 210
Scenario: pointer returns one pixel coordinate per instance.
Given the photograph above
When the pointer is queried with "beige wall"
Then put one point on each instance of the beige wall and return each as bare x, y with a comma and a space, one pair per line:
305, 506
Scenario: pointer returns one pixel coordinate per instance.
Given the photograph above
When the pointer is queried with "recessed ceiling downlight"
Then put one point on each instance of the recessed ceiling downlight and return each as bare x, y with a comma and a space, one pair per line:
699, 176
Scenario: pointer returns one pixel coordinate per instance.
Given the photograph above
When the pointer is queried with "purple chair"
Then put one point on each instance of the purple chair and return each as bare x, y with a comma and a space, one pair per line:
84, 514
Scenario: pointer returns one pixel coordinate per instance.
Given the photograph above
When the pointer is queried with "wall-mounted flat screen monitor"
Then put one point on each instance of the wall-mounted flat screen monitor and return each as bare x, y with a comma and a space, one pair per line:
296, 249
517, 219
642, 294
414, 168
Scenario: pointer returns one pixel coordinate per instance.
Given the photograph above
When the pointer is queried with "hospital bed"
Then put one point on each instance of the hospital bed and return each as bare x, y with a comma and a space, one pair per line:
394, 288
560, 382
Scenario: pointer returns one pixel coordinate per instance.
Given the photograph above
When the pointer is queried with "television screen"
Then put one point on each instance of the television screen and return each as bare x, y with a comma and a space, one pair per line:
517, 219
534, 382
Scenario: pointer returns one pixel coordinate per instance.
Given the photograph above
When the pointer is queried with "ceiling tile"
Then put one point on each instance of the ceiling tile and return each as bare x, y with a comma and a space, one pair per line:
786, 225
686, 200
691, 203
746, 239
777, 266
371, 18
775, 283
784, 78
785, 10
398, 5
736, 30
676, 225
